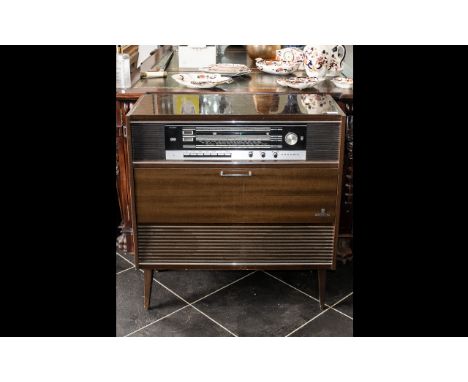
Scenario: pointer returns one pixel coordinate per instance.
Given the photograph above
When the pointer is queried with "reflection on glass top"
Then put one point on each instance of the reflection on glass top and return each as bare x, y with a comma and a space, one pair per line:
236, 104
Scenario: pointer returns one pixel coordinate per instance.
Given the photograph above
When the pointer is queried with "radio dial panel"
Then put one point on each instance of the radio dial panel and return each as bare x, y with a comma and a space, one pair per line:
236, 142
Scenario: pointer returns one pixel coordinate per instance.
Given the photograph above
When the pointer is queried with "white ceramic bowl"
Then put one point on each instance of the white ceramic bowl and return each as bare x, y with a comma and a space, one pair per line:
281, 68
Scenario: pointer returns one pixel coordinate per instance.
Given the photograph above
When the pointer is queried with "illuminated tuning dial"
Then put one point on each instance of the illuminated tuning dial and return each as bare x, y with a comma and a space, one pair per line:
291, 139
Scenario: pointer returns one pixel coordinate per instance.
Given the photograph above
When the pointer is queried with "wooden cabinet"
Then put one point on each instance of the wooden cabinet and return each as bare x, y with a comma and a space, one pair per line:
200, 210
256, 82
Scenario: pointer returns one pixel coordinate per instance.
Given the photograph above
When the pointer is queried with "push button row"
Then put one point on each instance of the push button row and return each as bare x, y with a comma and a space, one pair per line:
195, 155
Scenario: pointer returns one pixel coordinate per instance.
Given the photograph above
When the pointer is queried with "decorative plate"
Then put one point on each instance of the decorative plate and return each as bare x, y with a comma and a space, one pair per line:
201, 80
227, 69
298, 82
276, 67
291, 55
343, 82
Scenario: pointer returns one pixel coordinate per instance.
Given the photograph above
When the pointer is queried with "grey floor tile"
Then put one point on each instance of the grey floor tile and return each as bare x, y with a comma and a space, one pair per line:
128, 256
339, 282
329, 324
131, 314
121, 264
259, 305
193, 284
185, 323
346, 306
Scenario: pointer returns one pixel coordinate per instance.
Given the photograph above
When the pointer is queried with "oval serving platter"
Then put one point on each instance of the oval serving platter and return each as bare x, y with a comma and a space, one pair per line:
230, 70
201, 80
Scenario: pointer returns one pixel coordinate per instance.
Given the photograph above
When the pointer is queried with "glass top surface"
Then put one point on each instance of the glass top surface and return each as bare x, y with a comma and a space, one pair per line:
236, 104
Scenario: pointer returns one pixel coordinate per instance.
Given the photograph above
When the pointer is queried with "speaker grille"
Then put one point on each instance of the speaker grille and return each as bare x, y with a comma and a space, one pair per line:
235, 245
323, 142
148, 142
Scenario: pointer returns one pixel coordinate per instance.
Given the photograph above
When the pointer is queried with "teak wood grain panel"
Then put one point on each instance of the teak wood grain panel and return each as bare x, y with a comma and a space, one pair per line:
203, 196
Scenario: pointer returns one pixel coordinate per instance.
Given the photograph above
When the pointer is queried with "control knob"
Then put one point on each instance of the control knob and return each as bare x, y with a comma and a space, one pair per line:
250, 154
275, 154
291, 138
263, 154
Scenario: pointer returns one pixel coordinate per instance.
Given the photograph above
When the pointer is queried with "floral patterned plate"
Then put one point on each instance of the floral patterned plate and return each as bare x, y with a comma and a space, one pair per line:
201, 80
298, 82
276, 67
230, 70
291, 55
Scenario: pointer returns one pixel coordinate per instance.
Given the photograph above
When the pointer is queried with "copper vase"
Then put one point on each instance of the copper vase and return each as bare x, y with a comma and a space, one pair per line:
266, 52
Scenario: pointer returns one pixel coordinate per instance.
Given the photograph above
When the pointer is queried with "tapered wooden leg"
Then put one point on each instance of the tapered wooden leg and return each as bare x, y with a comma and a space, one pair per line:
148, 285
322, 278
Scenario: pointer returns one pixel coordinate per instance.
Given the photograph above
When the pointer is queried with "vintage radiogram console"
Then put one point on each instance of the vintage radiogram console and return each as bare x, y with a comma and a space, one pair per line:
236, 181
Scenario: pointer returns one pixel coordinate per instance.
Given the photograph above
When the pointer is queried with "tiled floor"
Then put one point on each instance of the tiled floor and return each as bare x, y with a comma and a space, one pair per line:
233, 303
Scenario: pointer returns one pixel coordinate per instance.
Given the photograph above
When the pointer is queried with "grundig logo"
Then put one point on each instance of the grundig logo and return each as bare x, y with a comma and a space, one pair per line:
322, 213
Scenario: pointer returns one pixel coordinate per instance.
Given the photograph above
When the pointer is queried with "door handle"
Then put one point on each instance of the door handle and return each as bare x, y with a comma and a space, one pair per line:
221, 173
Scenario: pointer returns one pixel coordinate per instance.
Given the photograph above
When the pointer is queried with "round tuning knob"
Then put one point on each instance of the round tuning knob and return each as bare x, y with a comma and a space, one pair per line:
291, 139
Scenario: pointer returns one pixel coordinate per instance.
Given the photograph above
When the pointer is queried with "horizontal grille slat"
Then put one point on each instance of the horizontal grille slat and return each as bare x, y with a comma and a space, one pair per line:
215, 246
162, 263
234, 234
164, 260
238, 249
165, 245
324, 258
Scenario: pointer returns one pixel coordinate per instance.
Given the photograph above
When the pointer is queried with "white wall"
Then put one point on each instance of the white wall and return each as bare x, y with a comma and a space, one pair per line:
144, 52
